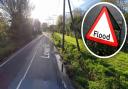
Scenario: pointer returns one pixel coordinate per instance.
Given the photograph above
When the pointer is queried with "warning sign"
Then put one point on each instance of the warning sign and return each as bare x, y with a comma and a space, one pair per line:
102, 30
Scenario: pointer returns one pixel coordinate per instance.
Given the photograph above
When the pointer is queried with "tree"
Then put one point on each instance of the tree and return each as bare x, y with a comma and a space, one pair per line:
77, 15
120, 3
44, 27
3, 29
59, 23
52, 28
18, 11
37, 26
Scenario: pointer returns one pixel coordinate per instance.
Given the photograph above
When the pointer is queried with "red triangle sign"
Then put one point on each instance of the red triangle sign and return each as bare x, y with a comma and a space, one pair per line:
102, 30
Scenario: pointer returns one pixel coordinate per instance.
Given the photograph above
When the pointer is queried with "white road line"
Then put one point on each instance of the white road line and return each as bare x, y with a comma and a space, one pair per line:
65, 86
18, 86
46, 56
13, 55
46, 53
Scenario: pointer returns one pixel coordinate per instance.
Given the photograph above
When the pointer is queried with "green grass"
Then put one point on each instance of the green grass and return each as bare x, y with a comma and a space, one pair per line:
69, 40
89, 72
119, 62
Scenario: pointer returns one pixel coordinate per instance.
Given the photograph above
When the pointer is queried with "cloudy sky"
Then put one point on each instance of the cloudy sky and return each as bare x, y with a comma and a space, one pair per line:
48, 10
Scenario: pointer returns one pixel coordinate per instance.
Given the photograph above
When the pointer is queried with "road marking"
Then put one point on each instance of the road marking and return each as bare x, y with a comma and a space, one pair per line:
46, 56
13, 55
65, 86
46, 53
18, 86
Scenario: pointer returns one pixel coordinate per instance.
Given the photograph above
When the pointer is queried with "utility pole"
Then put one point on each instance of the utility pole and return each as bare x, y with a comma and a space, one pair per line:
74, 29
63, 29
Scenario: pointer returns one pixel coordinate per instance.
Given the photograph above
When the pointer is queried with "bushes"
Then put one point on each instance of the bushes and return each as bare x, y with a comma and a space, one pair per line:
57, 39
6, 50
89, 72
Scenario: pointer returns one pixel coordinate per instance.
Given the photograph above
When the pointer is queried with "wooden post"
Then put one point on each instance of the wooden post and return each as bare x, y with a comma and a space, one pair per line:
63, 29
78, 47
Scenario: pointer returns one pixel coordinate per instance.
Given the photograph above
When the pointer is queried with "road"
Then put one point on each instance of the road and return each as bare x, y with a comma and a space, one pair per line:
32, 67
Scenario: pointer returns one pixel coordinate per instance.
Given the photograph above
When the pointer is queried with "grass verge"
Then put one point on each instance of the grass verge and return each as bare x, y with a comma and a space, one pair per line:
89, 72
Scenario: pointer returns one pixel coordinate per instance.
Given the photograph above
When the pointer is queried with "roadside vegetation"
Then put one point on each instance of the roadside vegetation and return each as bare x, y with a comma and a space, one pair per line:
89, 72
16, 26
85, 70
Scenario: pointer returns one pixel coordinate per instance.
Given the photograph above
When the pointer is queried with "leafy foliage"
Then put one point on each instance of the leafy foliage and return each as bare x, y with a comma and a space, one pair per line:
77, 16
16, 27
88, 72
18, 13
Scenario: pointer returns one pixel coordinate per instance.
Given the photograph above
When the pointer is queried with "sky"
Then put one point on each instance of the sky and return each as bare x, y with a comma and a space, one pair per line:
48, 10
